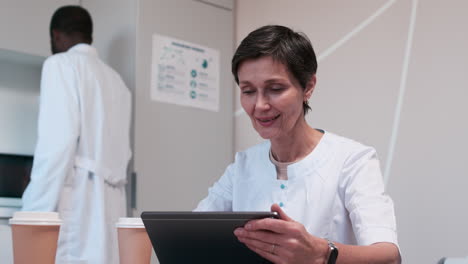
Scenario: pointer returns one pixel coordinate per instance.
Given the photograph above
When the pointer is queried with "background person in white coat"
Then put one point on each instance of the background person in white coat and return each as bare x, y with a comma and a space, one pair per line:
83, 146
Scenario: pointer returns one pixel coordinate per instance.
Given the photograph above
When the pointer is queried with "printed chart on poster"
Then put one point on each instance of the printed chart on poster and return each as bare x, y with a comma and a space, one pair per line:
184, 73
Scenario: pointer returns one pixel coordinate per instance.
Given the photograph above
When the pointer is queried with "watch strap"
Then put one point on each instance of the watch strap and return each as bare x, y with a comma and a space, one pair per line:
332, 252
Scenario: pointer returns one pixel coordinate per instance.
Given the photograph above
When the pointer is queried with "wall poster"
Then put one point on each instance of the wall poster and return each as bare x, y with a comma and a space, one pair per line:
184, 73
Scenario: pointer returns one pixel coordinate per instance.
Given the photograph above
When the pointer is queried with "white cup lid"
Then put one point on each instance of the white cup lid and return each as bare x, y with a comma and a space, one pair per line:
130, 222
35, 218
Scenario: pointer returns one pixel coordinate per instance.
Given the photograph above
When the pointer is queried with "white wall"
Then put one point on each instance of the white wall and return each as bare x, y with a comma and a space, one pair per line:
180, 151
408, 103
114, 34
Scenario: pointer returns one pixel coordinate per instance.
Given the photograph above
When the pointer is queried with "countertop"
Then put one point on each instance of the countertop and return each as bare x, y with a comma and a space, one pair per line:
8, 206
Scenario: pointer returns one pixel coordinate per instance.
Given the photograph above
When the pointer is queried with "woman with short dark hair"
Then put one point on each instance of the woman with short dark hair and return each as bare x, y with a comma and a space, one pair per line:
327, 189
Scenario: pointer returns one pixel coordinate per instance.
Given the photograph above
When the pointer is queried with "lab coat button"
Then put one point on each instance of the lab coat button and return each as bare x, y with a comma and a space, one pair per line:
281, 204
283, 186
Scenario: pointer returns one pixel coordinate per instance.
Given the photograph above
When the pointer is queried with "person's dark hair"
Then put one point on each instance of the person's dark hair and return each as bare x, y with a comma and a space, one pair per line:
73, 20
293, 49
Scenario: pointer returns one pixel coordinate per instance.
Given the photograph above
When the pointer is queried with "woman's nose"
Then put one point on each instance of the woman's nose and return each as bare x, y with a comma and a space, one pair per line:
262, 102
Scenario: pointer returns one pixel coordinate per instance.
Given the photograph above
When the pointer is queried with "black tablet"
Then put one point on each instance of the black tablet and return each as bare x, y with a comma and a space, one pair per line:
201, 237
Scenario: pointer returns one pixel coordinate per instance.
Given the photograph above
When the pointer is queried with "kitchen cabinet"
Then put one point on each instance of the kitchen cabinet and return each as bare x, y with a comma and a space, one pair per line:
24, 24
20, 75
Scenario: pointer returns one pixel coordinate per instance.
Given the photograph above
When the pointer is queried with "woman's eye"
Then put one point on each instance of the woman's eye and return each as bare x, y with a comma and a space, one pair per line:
248, 91
277, 88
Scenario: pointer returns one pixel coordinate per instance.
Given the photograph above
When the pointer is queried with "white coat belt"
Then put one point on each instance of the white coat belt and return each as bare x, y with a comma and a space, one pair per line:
100, 170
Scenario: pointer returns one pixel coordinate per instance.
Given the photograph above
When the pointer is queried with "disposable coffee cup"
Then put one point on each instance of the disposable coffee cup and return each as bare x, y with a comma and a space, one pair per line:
35, 236
134, 243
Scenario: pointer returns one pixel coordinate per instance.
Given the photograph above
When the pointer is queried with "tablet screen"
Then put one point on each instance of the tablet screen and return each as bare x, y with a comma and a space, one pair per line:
200, 237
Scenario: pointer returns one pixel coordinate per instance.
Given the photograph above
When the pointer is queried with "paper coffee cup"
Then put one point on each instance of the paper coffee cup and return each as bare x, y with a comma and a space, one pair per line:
134, 243
35, 218
130, 222
35, 236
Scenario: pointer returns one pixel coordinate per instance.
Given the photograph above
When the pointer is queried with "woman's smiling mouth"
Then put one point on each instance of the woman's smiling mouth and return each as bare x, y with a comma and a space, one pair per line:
266, 121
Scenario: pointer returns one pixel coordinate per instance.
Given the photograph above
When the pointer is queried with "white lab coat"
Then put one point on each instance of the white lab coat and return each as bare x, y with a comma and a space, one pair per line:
82, 153
336, 191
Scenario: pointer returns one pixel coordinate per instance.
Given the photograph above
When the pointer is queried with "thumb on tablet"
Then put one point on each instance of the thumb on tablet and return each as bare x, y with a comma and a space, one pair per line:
281, 213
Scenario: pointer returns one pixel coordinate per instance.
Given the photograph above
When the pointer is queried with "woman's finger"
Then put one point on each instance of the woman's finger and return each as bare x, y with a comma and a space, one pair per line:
260, 235
271, 224
282, 214
274, 225
274, 249
262, 245
265, 254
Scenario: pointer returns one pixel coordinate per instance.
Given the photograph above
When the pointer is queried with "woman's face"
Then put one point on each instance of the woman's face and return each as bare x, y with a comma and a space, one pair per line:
272, 97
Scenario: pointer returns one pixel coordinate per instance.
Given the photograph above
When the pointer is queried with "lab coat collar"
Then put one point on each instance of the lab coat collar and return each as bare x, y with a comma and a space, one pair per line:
265, 159
84, 48
314, 160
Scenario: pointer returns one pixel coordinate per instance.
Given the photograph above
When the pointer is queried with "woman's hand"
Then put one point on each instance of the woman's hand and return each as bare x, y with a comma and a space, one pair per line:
283, 240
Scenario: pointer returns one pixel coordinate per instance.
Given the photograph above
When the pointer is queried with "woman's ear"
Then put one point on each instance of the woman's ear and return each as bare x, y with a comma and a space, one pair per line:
310, 87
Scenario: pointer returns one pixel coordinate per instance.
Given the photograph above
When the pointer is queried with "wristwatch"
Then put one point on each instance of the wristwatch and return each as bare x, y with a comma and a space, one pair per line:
332, 252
